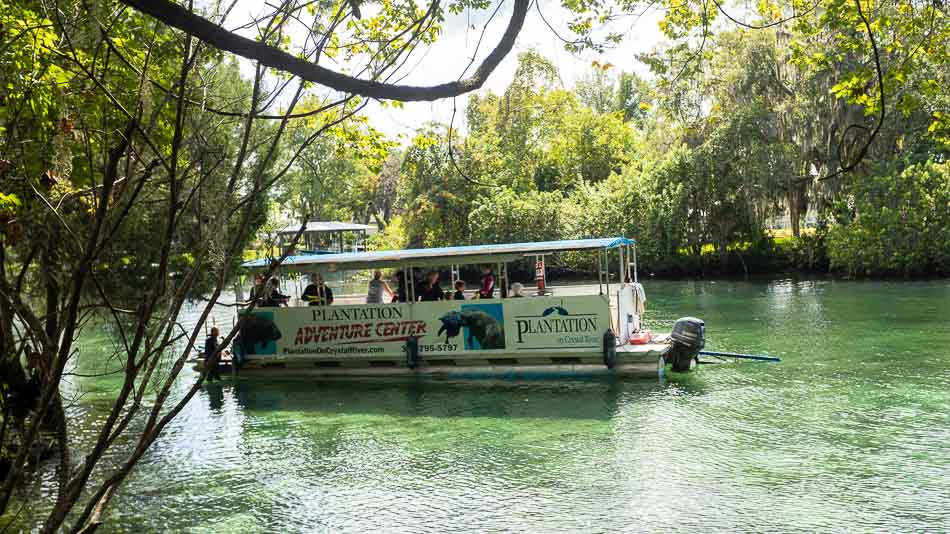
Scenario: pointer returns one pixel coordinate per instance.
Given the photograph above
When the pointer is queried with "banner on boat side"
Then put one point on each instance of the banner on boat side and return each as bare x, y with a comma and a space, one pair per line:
446, 328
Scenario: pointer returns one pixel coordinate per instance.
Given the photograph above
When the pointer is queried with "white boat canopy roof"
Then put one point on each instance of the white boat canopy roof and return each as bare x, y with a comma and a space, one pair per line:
319, 227
421, 257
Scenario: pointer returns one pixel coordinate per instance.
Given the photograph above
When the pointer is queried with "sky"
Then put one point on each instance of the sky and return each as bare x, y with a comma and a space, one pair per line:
452, 52
447, 59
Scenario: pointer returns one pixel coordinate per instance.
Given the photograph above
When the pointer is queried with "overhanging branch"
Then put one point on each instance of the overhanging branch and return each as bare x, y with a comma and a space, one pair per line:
178, 17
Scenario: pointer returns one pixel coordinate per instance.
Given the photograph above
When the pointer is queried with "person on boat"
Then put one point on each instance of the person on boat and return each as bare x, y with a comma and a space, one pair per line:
272, 295
517, 290
212, 356
400, 295
257, 291
459, 290
431, 290
487, 289
376, 287
317, 293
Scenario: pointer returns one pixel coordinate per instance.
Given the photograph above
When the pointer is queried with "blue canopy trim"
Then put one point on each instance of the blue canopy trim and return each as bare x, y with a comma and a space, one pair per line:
441, 256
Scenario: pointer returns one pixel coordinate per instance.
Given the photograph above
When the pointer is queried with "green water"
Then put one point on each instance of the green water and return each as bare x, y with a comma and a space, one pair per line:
851, 432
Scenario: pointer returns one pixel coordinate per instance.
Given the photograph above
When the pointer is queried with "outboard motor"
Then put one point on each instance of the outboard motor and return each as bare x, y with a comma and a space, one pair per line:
689, 337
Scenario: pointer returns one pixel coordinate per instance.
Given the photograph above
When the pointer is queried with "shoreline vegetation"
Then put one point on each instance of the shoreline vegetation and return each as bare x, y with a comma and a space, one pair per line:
885, 227
700, 174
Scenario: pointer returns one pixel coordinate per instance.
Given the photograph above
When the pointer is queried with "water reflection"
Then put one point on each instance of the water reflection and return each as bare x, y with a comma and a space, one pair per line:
215, 395
596, 399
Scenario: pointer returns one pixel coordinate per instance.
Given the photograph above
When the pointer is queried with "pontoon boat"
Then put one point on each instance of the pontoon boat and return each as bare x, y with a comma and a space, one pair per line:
553, 331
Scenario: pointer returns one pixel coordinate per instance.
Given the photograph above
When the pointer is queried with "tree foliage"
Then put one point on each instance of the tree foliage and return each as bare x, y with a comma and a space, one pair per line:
895, 223
735, 132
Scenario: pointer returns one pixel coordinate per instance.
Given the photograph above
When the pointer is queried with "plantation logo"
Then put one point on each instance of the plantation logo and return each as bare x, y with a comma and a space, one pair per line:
555, 321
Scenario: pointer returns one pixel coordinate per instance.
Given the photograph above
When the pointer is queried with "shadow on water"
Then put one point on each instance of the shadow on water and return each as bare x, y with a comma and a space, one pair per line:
593, 398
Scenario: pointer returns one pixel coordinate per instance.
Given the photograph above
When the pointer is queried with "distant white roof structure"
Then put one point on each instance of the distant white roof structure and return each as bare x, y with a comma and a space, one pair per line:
438, 256
317, 227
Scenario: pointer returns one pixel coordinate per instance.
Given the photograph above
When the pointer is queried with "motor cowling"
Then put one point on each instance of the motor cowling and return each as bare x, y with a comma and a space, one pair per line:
689, 337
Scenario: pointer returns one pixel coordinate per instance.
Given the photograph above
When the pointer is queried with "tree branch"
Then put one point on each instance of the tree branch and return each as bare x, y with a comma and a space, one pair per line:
883, 103
178, 17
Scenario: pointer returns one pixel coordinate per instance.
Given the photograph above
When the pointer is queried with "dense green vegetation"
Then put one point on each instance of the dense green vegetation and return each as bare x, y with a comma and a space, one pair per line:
699, 165
895, 221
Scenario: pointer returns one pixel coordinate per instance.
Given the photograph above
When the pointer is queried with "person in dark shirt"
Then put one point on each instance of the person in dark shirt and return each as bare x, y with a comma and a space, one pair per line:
487, 290
317, 293
272, 295
431, 290
400, 295
459, 290
211, 355
257, 291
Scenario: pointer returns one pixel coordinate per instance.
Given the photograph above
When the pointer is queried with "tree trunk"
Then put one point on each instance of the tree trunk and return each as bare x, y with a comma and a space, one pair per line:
794, 216
14, 385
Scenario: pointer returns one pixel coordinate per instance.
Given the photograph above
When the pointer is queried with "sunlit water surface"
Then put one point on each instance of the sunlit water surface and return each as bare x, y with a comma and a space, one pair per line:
850, 432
